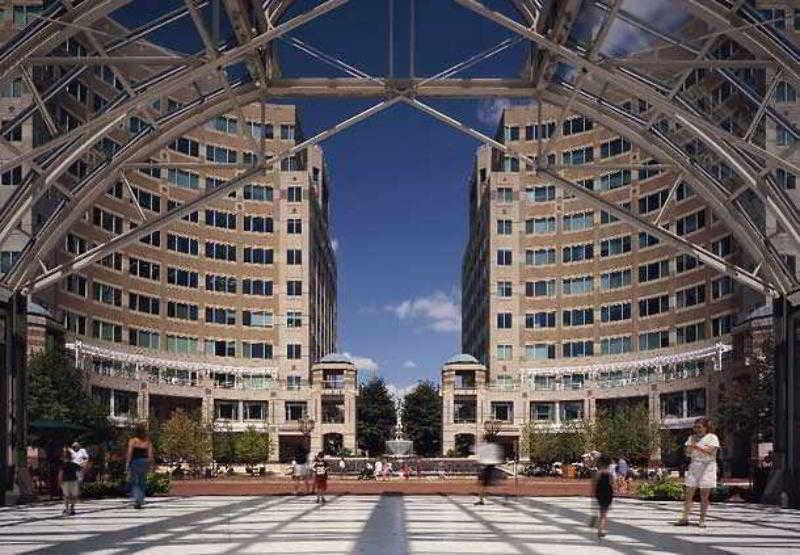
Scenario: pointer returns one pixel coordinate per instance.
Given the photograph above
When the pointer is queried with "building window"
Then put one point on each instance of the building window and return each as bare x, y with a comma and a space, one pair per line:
646, 240
615, 246
504, 257
653, 305
257, 193
256, 350
577, 253
691, 296
539, 320
690, 333
505, 194
294, 351
653, 271
224, 124
615, 345
503, 411
221, 251
106, 331
12, 177
578, 349
615, 180
217, 218
294, 288
723, 247
75, 323
294, 319
578, 221
144, 269
186, 146
504, 321
226, 410
615, 312
294, 194
504, 289
786, 180
181, 244
144, 303
7, 260
145, 339
106, 294
540, 257
182, 278
182, 311
543, 412
784, 92
182, 344
721, 287
686, 263
577, 285
107, 221
220, 347
721, 325
615, 280
220, 315
75, 284
260, 287
258, 255
540, 226
221, 155
575, 125
653, 340
294, 226
614, 147
505, 352
578, 156
258, 224
540, 288
542, 193
294, 257
691, 223
295, 410
504, 227
257, 318
695, 403
540, 351
653, 201
220, 284
577, 317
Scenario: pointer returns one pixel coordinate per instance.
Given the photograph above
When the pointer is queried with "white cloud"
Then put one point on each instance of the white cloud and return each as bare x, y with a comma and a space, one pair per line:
623, 39
363, 363
335, 245
409, 364
437, 312
489, 111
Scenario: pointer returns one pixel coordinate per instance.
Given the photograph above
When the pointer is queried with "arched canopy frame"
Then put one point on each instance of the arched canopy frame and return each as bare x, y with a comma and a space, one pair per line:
206, 71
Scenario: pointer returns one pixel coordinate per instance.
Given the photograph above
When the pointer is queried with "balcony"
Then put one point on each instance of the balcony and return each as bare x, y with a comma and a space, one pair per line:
333, 384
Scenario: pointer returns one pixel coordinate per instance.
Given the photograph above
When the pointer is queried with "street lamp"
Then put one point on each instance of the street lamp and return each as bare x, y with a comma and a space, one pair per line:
306, 426
491, 429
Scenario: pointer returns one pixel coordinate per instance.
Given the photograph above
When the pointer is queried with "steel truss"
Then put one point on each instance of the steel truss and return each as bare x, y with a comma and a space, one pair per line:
544, 26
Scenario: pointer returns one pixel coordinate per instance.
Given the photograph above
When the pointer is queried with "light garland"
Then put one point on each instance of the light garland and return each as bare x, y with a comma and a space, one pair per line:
716, 350
144, 360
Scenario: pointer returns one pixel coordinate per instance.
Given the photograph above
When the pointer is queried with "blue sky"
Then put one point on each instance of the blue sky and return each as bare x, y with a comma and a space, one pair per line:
399, 201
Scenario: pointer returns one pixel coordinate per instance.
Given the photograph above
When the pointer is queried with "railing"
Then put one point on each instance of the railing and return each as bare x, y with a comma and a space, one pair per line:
333, 384
465, 385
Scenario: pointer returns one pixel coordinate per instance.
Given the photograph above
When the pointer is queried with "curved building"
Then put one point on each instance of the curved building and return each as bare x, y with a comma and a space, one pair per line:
224, 312
569, 311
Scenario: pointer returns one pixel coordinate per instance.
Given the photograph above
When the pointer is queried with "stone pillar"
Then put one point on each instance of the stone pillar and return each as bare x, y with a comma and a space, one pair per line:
143, 402
112, 392
557, 409
207, 407
685, 409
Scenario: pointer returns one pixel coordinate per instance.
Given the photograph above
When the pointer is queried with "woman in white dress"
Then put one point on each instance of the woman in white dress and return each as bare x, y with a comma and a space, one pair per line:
702, 448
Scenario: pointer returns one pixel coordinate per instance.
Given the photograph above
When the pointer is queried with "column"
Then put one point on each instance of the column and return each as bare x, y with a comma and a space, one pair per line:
557, 408
685, 410
112, 392
143, 403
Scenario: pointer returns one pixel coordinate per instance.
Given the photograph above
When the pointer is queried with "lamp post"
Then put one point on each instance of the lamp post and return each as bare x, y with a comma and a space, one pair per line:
306, 426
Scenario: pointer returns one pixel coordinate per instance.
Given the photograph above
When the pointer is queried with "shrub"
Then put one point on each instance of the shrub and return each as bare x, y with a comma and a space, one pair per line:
660, 490
99, 490
721, 493
157, 484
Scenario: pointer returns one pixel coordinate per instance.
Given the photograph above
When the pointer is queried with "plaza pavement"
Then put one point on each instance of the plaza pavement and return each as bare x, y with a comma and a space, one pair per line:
388, 525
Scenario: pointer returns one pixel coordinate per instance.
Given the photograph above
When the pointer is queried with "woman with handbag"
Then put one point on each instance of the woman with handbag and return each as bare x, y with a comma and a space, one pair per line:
701, 448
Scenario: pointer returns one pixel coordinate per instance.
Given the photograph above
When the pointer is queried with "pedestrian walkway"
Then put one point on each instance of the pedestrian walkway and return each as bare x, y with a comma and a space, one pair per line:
388, 525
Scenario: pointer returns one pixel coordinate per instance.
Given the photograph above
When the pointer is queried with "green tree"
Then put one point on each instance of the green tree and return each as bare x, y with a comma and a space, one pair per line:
184, 438
543, 445
629, 432
376, 416
746, 409
224, 445
422, 419
56, 392
253, 447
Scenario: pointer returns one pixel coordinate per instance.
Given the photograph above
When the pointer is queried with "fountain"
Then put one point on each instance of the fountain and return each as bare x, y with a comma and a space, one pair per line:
398, 447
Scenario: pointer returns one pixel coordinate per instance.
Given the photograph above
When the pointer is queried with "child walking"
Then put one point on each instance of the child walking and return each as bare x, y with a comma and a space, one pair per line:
320, 477
603, 493
68, 480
